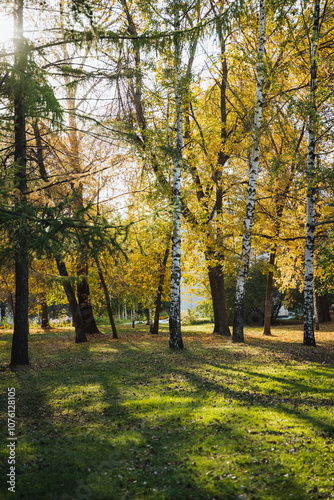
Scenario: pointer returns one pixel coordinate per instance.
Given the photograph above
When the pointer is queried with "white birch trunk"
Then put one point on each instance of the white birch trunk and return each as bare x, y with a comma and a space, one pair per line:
175, 337
310, 209
238, 332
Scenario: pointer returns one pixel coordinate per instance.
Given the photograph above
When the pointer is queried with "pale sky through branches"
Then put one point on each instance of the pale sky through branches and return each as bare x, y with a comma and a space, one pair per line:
6, 27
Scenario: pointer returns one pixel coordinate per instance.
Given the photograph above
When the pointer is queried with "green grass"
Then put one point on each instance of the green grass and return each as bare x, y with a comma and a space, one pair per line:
130, 419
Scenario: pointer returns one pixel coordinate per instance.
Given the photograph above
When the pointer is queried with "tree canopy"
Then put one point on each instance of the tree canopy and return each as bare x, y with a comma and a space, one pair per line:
130, 126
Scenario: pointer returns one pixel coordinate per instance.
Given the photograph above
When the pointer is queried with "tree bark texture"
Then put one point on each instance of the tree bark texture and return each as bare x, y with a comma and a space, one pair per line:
19, 354
309, 338
78, 324
45, 317
175, 336
323, 309
238, 329
107, 297
155, 328
217, 287
84, 300
2, 309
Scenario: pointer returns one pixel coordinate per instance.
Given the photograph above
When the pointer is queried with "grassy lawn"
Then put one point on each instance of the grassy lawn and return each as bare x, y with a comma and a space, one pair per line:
130, 419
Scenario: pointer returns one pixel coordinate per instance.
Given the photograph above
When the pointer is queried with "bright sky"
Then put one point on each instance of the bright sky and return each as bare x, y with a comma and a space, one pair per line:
6, 27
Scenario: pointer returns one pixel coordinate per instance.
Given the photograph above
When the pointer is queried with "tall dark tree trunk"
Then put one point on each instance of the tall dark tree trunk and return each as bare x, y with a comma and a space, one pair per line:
45, 317
217, 286
155, 328
2, 309
19, 355
216, 272
323, 308
107, 297
84, 300
78, 324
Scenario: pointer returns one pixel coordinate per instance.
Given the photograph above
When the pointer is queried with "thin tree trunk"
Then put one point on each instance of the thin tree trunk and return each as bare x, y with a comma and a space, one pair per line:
45, 317
2, 309
85, 301
19, 354
149, 320
155, 328
269, 291
175, 336
107, 297
78, 324
11, 303
133, 316
316, 311
238, 323
309, 338
279, 206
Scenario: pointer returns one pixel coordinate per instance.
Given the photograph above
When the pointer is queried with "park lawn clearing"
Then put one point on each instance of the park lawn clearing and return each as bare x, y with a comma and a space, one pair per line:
131, 419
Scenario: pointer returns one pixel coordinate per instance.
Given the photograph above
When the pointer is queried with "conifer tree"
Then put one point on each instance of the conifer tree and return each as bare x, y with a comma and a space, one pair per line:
19, 354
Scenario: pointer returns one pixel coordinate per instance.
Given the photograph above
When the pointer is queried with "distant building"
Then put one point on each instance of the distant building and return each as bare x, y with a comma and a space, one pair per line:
189, 299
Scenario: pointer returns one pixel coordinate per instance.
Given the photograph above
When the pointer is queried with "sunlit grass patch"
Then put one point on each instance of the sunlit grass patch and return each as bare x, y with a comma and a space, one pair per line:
130, 419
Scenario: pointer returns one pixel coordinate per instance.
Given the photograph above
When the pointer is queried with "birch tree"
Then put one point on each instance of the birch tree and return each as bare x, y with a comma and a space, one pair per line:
175, 336
309, 338
238, 333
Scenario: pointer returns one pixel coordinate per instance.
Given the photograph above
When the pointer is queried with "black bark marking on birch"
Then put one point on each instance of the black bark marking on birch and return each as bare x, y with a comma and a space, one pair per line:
238, 335
309, 338
175, 295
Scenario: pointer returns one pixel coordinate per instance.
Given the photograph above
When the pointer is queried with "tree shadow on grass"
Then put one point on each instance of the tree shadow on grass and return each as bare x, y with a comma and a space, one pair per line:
104, 428
323, 353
